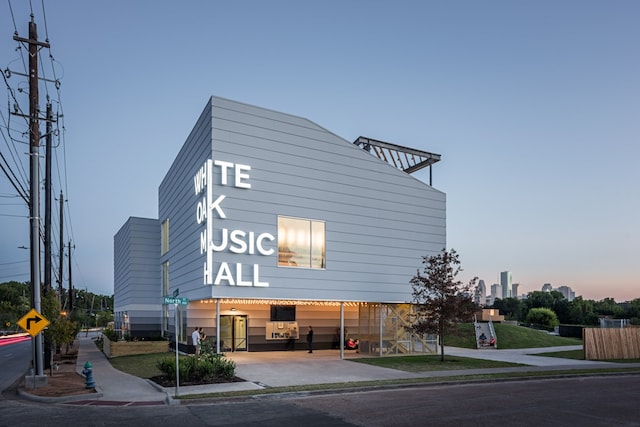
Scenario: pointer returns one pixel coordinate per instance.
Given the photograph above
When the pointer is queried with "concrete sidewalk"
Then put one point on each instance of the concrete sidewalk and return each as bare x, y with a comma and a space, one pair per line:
526, 356
113, 385
299, 368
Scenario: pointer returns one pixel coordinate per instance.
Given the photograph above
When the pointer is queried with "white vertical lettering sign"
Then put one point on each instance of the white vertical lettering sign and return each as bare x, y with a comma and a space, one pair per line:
233, 241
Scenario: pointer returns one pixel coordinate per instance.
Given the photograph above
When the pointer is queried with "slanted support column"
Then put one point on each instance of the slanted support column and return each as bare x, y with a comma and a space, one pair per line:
341, 343
218, 325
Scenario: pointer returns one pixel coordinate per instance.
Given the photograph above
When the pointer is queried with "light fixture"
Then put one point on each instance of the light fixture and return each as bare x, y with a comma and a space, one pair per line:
233, 309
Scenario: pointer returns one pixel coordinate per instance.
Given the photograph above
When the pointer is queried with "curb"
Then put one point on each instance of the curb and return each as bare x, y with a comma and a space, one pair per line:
168, 400
62, 399
368, 388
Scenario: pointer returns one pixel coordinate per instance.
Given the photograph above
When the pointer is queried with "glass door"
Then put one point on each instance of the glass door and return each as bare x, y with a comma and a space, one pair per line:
233, 333
240, 333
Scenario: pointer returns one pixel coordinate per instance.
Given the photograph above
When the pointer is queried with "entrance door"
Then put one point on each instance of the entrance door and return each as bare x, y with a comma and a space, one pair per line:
233, 333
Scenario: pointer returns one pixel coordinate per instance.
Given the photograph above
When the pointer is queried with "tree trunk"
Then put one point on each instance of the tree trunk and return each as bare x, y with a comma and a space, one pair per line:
441, 333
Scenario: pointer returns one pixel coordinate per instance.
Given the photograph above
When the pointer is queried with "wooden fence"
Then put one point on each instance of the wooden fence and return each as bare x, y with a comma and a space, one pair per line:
611, 343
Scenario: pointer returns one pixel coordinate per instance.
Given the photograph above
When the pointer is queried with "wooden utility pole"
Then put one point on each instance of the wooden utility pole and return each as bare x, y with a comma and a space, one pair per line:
70, 283
47, 204
61, 261
34, 202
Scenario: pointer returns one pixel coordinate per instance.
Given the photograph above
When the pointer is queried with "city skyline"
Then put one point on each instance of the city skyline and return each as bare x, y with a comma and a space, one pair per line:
533, 108
495, 289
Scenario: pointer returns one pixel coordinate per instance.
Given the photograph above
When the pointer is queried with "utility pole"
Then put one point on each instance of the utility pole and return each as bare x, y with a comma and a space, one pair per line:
47, 204
47, 286
61, 261
70, 283
34, 202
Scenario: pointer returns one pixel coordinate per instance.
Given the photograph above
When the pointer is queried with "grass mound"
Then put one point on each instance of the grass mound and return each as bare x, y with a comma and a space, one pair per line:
508, 336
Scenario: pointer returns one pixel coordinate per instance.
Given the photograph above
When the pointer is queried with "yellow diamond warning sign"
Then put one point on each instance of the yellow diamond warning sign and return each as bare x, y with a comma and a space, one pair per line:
33, 322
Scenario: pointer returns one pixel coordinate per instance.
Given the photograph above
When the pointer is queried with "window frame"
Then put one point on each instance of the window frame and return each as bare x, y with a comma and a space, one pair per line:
306, 231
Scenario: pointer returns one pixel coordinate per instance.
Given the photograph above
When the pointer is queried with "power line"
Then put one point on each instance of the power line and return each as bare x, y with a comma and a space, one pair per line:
17, 89
14, 262
13, 179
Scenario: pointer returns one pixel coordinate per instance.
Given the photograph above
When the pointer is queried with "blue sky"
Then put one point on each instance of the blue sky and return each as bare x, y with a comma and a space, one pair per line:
534, 107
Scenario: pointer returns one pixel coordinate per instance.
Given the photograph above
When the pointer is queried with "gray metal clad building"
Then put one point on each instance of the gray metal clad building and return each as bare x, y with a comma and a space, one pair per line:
136, 276
269, 223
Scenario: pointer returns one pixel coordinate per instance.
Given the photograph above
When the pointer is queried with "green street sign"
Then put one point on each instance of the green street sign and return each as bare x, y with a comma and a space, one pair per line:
173, 300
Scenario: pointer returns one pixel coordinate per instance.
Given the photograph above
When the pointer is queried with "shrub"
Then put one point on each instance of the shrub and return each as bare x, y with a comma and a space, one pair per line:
544, 317
110, 334
204, 369
187, 368
168, 366
223, 367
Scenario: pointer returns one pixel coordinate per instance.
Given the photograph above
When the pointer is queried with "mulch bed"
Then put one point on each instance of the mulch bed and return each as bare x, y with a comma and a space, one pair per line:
165, 381
62, 378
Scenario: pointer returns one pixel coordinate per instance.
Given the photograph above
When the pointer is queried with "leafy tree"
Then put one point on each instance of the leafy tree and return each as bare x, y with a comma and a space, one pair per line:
14, 303
441, 300
15, 293
553, 300
608, 307
632, 311
543, 317
102, 318
582, 312
512, 308
540, 299
562, 308
63, 332
91, 309
632, 308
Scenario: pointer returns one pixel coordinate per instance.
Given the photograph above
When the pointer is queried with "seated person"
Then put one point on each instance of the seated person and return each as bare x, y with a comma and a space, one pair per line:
483, 339
351, 344
492, 341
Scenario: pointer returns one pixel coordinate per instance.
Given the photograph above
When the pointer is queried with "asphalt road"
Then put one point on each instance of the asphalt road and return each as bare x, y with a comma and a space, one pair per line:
583, 401
15, 360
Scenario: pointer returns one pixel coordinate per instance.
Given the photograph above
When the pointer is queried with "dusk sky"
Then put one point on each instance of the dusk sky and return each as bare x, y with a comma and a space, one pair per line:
534, 107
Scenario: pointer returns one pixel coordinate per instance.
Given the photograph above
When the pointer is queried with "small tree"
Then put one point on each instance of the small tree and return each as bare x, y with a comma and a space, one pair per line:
441, 300
64, 332
543, 317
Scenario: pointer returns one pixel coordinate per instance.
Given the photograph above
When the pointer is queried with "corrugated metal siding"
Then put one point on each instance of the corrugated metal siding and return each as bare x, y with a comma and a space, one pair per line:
177, 201
137, 278
379, 220
136, 267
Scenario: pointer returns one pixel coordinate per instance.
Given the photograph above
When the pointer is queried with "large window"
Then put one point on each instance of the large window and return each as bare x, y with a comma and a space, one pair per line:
165, 292
164, 237
301, 243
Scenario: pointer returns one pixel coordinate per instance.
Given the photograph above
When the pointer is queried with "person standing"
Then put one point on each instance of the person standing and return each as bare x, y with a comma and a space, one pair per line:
310, 339
195, 339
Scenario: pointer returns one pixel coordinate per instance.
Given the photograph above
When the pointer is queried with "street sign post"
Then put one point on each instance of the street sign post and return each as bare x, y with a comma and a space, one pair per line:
33, 322
166, 300
173, 300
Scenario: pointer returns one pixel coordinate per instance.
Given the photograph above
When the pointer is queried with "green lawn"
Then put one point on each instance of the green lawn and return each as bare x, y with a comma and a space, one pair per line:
422, 363
508, 336
570, 354
142, 365
579, 355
